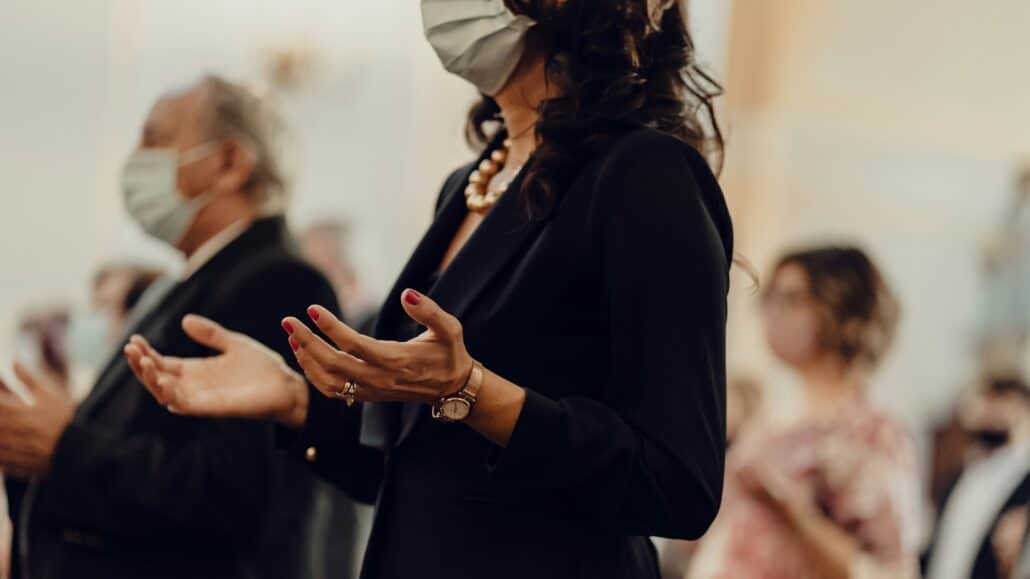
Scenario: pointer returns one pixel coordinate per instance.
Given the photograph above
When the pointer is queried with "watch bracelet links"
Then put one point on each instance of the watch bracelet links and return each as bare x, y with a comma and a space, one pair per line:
474, 382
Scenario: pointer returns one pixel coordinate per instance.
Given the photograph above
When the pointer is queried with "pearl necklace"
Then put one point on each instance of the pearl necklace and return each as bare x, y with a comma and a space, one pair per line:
478, 198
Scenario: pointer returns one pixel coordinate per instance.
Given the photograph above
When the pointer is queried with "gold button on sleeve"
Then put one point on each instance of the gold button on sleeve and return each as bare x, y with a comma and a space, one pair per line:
311, 454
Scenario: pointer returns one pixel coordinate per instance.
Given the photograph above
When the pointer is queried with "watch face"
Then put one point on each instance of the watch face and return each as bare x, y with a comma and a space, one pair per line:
455, 409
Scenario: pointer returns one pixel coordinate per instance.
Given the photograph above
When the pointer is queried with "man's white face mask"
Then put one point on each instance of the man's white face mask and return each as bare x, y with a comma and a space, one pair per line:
479, 40
150, 185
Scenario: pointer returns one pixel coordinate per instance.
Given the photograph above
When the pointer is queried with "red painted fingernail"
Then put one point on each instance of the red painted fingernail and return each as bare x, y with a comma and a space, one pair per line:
288, 327
313, 313
413, 297
294, 344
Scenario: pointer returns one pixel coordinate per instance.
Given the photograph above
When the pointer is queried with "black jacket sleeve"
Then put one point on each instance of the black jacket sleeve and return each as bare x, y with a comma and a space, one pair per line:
212, 478
331, 444
649, 460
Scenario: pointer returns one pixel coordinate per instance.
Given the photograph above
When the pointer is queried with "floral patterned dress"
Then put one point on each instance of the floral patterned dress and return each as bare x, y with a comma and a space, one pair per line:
858, 467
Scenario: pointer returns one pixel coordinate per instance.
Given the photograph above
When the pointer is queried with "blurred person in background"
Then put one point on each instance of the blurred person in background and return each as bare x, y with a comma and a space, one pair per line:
1005, 310
6, 537
832, 492
546, 385
743, 399
117, 288
120, 487
68, 345
983, 523
94, 333
326, 244
1022, 570
40, 341
949, 450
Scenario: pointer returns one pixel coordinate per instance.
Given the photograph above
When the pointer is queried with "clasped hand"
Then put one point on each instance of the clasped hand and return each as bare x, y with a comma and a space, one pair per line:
30, 430
247, 379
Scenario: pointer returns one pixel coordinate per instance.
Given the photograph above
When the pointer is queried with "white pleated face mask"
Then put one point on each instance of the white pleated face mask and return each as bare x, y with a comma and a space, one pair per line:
479, 40
150, 185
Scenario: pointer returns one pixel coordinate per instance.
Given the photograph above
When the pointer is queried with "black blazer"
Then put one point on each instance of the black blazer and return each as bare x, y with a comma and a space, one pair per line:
611, 313
135, 491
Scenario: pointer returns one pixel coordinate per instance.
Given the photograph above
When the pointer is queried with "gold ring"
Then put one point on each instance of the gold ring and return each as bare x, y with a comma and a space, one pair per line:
348, 393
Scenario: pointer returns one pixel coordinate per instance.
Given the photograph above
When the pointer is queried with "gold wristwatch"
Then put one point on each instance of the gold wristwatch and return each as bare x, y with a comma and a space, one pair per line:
458, 406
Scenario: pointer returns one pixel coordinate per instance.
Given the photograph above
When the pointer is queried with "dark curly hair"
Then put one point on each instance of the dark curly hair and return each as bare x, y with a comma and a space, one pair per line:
858, 309
618, 64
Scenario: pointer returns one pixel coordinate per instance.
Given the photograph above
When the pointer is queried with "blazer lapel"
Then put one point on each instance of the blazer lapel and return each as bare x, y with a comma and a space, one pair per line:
170, 300
381, 422
505, 230
501, 236
111, 375
425, 259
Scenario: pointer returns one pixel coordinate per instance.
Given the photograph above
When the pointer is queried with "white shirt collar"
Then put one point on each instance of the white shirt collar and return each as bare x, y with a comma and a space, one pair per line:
214, 246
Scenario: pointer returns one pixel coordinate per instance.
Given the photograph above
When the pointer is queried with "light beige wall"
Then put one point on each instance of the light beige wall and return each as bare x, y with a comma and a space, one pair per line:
373, 134
895, 125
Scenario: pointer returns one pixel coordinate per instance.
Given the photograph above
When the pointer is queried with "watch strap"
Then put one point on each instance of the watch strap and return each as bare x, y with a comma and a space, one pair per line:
468, 393
475, 382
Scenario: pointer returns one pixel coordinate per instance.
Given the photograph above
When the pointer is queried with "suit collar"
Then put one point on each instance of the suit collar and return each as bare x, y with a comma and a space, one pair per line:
262, 233
213, 246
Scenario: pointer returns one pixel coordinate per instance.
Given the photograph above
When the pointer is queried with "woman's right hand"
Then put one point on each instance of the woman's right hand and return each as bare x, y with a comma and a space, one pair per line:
245, 380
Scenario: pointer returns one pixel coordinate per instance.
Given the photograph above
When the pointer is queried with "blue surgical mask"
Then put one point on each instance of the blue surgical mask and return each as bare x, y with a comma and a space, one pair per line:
479, 40
88, 337
150, 185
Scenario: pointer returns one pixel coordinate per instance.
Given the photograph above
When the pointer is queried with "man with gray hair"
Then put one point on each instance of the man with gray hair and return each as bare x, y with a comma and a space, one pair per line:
119, 487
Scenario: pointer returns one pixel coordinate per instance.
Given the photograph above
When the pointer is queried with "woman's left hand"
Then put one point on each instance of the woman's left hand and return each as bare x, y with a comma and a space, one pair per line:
426, 368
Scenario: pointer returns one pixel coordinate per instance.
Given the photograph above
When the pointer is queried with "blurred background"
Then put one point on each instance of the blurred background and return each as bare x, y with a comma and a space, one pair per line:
897, 126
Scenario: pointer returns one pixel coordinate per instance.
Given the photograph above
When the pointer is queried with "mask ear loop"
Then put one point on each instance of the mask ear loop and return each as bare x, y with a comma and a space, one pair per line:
199, 152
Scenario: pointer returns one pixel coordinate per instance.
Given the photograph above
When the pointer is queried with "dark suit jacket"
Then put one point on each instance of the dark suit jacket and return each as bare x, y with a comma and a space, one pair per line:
135, 491
611, 313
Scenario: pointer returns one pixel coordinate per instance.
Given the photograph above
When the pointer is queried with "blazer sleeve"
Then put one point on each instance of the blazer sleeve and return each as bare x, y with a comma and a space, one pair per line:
212, 478
330, 442
649, 458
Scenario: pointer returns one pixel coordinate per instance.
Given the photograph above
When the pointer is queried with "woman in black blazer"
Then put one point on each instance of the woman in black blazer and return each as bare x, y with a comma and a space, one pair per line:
545, 388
